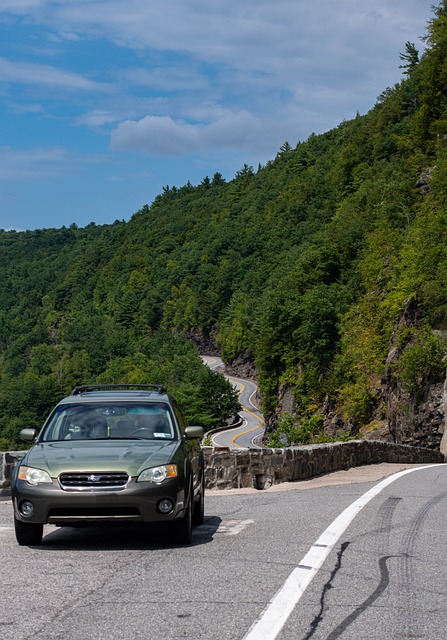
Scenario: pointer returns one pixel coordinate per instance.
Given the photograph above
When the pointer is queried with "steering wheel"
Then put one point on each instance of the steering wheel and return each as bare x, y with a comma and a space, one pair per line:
142, 432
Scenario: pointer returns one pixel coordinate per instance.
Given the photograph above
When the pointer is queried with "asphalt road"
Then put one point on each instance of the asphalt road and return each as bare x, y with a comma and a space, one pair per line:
384, 577
253, 422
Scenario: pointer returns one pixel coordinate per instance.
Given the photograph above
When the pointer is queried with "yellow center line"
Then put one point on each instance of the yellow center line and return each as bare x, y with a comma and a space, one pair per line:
242, 433
237, 381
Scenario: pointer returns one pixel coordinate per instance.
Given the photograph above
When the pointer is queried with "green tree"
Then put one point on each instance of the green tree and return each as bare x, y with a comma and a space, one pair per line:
410, 57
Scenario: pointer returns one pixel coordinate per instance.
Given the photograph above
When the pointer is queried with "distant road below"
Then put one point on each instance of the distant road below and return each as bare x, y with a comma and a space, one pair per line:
253, 422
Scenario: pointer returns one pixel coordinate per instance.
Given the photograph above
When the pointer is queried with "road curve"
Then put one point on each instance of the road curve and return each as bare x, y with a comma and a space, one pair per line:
252, 429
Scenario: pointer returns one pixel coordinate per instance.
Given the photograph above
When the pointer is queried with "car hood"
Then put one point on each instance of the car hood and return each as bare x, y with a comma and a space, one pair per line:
131, 457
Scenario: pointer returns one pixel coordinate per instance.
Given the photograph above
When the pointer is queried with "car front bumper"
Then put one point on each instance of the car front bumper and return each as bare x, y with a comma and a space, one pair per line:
137, 502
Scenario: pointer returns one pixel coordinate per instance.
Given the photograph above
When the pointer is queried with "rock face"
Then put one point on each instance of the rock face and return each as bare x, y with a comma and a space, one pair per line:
443, 444
285, 403
419, 424
205, 342
417, 419
243, 367
399, 417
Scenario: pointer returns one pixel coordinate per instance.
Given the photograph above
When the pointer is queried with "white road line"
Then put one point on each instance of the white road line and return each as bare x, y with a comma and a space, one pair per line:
233, 527
226, 528
281, 606
251, 401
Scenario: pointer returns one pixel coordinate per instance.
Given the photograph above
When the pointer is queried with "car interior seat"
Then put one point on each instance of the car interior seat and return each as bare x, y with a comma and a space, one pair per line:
124, 428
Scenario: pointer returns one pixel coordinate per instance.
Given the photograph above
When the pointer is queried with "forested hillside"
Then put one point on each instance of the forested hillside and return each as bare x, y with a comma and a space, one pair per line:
308, 267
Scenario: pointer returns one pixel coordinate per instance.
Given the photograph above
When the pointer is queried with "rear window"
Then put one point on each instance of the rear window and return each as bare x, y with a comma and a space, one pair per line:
107, 420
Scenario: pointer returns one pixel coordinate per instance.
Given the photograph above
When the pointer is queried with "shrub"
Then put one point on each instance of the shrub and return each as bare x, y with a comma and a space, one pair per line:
309, 430
357, 402
422, 360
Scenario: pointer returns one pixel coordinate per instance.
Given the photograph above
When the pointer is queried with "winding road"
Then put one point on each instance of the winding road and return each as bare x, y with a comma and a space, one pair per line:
252, 429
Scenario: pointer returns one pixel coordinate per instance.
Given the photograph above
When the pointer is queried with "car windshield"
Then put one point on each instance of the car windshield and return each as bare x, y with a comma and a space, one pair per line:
105, 420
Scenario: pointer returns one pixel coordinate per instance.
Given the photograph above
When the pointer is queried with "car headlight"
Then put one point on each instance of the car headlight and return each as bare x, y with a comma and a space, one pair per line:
34, 476
158, 474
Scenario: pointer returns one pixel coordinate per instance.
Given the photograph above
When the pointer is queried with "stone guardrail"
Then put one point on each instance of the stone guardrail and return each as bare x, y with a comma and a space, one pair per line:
262, 468
7, 462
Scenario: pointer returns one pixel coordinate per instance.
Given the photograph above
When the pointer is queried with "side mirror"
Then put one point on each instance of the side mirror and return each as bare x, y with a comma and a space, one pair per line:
194, 432
28, 435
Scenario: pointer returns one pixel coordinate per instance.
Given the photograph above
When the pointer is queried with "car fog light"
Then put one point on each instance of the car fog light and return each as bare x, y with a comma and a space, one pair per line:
165, 506
27, 508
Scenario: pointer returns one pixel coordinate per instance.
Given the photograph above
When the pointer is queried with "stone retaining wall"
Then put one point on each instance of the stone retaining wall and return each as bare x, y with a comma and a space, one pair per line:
7, 462
261, 468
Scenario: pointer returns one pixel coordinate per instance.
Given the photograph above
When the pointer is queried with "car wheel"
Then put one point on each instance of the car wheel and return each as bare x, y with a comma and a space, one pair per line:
198, 514
183, 526
28, 533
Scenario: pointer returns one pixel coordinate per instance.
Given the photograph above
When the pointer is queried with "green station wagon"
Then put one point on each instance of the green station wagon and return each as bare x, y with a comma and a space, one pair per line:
111, 453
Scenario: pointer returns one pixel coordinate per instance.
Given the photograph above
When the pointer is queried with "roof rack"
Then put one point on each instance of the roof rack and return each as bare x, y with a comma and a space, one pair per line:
95, 387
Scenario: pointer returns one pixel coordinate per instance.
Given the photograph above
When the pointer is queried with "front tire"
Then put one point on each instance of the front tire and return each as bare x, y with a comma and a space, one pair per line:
182, 532
198, 514
28, 534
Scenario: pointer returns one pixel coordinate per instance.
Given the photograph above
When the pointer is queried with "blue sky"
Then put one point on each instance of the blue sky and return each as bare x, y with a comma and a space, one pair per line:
102, 103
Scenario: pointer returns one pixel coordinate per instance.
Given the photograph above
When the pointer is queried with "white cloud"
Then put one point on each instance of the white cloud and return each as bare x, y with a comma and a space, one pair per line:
19, 164
253, 56
158, 135
164, 136
21, 6
255, 34
63, 36
26, 108
220, 31
235, 131
43, 162
167, 78
40, 74
97, 118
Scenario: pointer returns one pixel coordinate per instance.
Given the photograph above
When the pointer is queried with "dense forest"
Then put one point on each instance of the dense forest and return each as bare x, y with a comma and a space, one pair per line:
302, 267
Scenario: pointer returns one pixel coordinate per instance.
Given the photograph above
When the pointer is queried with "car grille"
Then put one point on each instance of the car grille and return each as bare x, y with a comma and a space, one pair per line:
88, 481
93, 514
